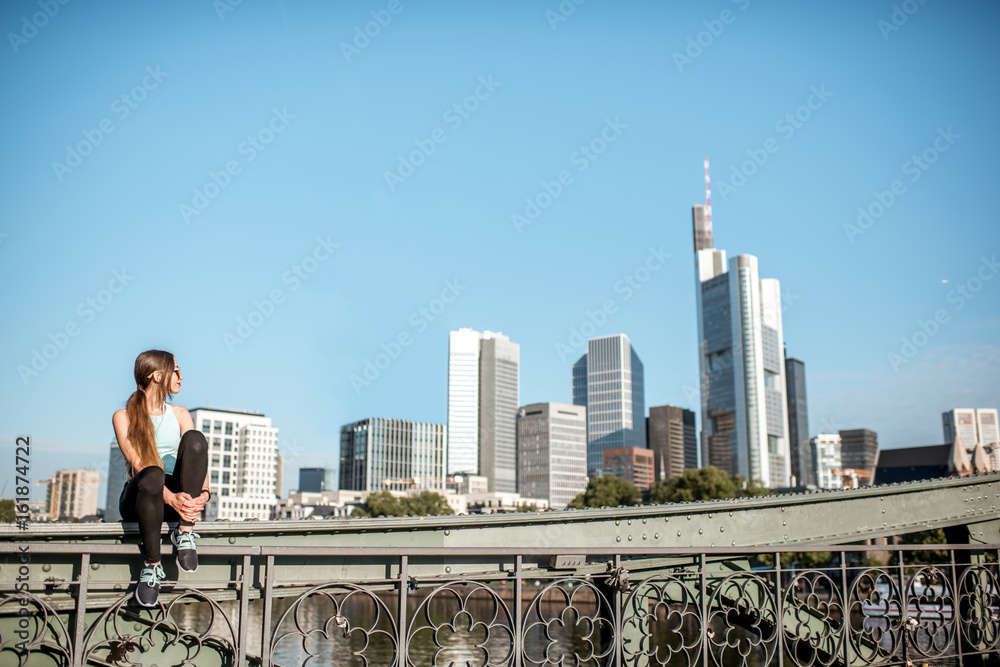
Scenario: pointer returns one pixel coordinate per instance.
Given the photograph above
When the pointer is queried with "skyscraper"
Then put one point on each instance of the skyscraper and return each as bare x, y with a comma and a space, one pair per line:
315, 480
117, 477
859, 451
740, 340
552, 452
608, 381
392, 454
483, 393
670, 432
798, 423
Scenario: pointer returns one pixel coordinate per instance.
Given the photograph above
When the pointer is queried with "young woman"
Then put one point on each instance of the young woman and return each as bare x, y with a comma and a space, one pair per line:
168, 479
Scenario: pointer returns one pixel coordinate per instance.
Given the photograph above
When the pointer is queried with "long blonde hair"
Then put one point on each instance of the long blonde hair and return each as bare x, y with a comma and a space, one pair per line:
140, 426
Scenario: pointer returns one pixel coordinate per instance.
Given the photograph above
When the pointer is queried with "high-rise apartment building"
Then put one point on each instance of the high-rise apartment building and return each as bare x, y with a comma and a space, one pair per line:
827, 456
671, 435
379, 454
633, 464
117, 477
608, 381
483, 398
744, 418
316, 480
243, 463
859, 451
552, 452
72, 494
800, 452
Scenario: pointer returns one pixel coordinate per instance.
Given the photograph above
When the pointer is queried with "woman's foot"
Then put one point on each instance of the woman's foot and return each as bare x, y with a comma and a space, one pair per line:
187, 550
147, 593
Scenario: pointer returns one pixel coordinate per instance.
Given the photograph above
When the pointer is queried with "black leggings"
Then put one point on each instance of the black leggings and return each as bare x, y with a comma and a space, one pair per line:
142, 498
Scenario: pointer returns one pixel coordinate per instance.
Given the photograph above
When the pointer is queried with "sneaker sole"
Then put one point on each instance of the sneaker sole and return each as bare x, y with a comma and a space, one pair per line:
147, 606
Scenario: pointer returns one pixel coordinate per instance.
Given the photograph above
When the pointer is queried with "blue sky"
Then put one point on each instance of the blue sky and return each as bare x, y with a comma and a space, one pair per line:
250, 143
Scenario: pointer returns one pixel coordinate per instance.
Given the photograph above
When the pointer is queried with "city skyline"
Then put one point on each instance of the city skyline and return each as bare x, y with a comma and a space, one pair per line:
551, 201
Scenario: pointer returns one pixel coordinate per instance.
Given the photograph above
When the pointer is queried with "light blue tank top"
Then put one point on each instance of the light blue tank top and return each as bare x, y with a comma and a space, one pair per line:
167, 432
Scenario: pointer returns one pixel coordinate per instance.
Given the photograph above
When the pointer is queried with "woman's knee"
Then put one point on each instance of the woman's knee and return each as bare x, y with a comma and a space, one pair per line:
194, 443
151, 480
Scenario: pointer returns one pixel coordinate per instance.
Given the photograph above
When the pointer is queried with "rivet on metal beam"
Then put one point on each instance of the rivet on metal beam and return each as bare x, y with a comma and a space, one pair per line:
95, 566
722, 529
47, 567
232, 539
656, 536
618, 539
447, 532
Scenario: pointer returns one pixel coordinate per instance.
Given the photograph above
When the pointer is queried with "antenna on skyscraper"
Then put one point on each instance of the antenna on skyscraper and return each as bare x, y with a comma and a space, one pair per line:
708, 200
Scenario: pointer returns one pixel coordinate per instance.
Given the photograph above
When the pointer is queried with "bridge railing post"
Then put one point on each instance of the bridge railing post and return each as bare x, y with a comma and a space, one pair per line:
265, 630
845, 590
518, 620
616, 632
80, 627
780, 619
703, 600
244, 618
403, 591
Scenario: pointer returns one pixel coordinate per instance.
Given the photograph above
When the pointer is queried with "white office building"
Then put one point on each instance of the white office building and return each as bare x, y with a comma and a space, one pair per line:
974, 427
744, 413
243, 463
483, 393
826, 451
552, 452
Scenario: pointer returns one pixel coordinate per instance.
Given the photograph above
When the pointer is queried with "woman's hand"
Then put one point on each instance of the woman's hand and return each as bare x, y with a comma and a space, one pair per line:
186, 507
199, 501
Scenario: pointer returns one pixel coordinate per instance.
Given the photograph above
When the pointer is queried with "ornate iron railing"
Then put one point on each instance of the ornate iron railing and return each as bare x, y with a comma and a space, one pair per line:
522, 607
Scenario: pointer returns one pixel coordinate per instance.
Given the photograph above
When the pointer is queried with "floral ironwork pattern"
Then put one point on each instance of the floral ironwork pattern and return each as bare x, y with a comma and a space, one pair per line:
572, 620
743, 620
813, 619
875, 613
446, 619
979, 604
930, 613
337, 621
127, 634
662, 623
45, 631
